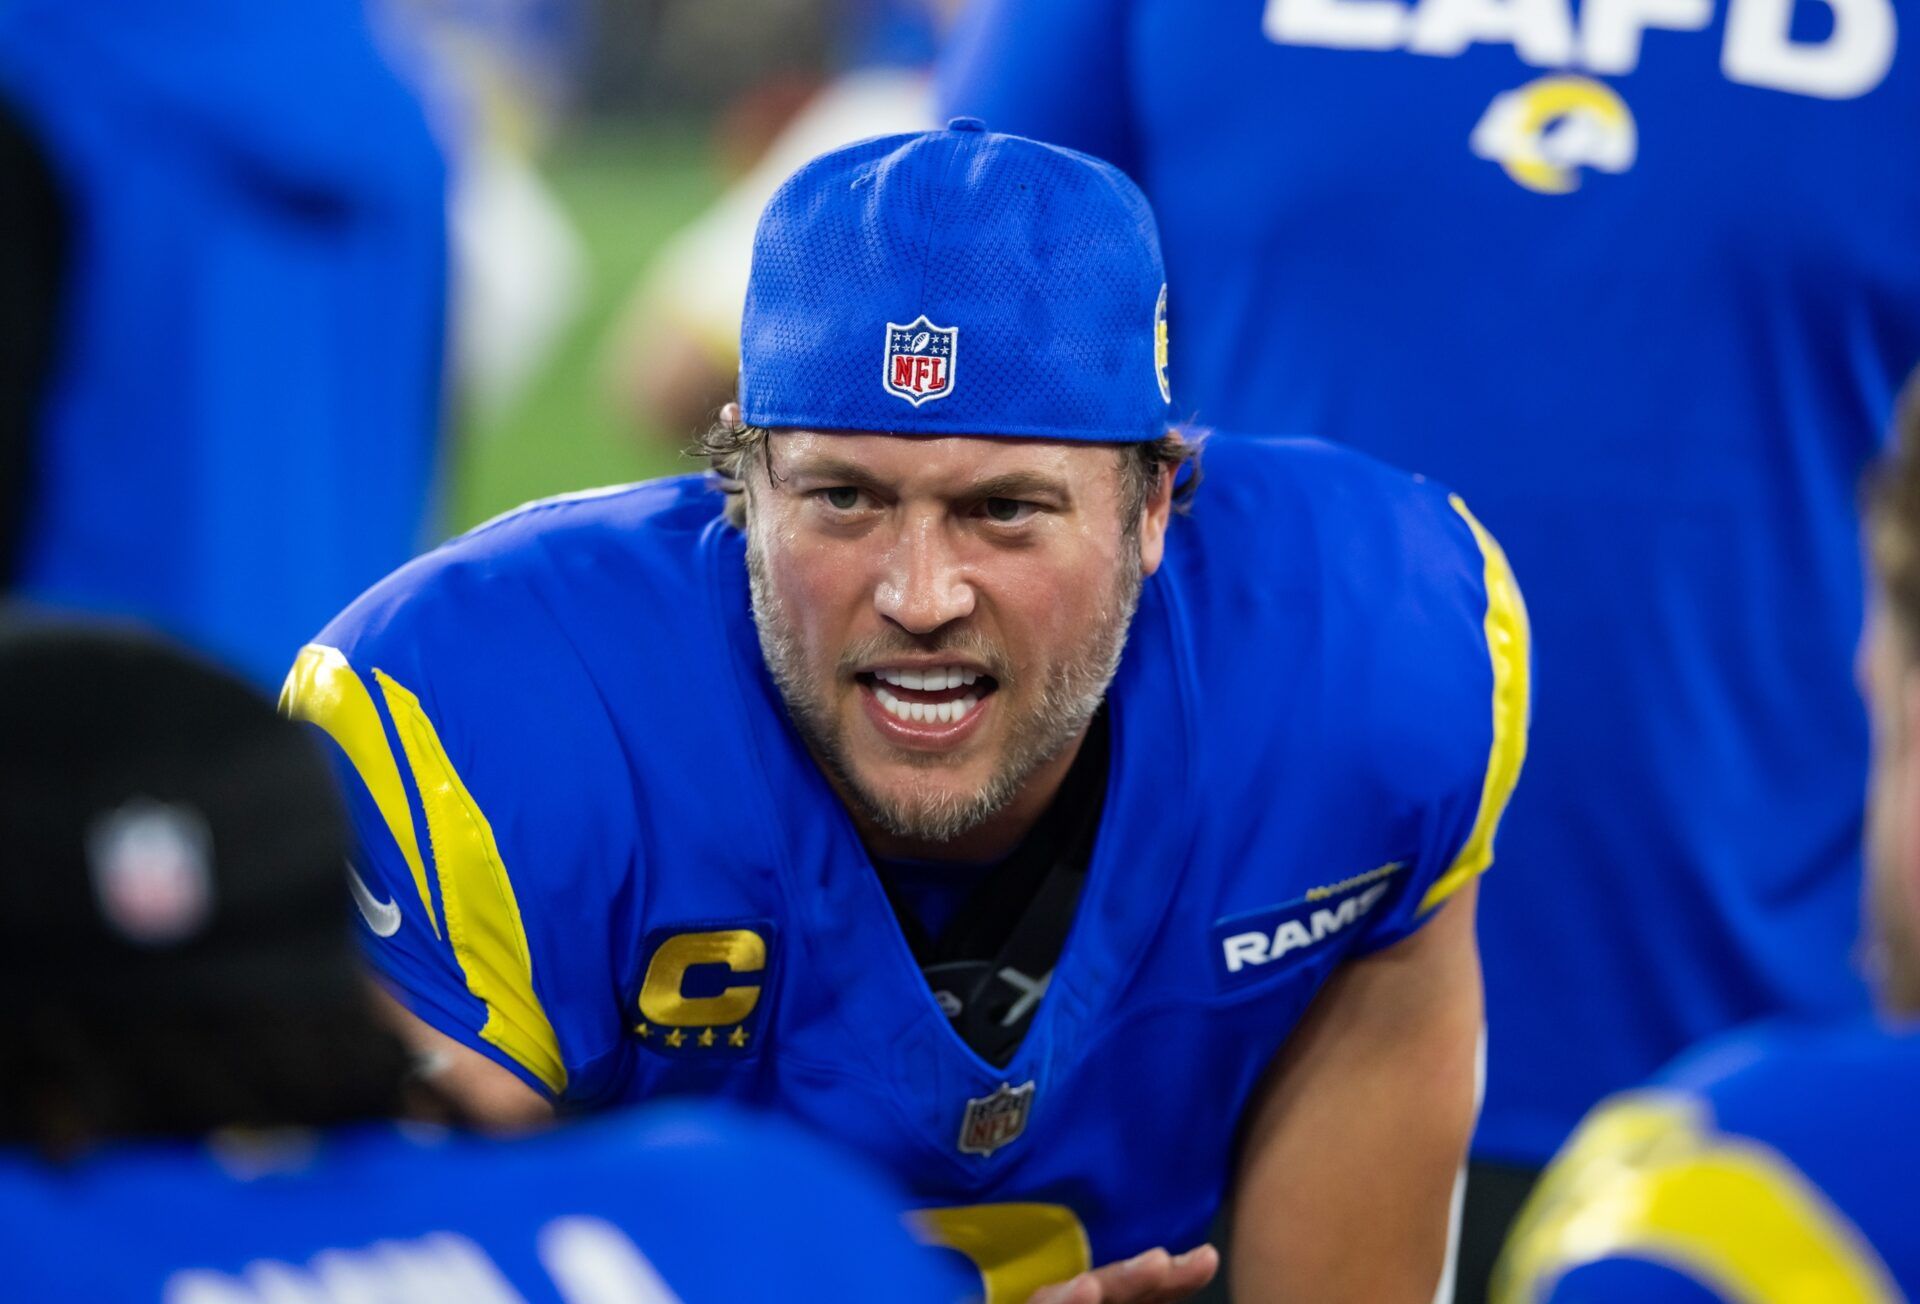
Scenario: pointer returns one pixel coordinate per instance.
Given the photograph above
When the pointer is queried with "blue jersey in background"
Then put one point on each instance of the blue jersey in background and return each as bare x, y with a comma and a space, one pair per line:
1775, 1165
597, 852
702, 1206
1644, 294
242, 416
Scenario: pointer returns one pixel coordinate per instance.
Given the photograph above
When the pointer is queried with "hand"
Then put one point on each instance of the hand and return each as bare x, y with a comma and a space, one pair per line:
1154, 1277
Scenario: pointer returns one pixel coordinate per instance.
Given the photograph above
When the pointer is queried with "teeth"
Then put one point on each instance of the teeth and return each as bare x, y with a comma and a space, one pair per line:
926, 712
936, 680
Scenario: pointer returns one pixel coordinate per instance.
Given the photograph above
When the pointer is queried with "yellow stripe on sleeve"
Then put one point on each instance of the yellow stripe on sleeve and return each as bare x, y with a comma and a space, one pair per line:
483, 917
323, 688
1509, 648
1647, 1177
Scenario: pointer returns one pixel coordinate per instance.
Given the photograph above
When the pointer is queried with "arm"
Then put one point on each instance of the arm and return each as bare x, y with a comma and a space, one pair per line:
1354, 1142
483, 1092
455, 940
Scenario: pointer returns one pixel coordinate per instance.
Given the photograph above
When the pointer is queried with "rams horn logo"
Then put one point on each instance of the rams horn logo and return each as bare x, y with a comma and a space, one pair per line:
1544, 132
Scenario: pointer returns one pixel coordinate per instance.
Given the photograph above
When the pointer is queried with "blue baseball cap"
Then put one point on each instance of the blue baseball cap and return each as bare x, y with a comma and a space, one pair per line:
957, 282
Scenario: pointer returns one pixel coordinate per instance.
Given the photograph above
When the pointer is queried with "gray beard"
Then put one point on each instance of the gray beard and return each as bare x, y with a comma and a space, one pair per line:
1063, 707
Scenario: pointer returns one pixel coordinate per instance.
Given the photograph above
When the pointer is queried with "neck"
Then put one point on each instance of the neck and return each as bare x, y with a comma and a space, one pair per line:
995, 837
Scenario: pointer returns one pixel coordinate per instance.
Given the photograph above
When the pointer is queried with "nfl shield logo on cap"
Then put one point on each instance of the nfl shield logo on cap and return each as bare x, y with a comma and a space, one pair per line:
919, 360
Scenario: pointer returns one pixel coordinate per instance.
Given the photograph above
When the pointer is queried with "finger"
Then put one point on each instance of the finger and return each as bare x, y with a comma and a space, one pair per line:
1156, 1277
1140, 1280
1188, 1273
1080, 1290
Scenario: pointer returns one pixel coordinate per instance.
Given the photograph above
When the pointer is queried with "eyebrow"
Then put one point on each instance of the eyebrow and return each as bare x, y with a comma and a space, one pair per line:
1012, 484
1021, 484
835, 469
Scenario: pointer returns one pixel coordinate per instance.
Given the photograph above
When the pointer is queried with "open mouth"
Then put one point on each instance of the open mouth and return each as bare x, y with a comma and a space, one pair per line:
928, 696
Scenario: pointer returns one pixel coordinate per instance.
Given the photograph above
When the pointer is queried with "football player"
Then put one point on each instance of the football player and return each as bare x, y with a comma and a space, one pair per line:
193, 1079
1776, 1164
1585, 262
1078, 858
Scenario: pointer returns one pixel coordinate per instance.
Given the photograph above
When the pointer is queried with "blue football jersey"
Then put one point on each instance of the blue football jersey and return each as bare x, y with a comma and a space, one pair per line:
673, 1204
1639, 280
1770, 1166
612, 865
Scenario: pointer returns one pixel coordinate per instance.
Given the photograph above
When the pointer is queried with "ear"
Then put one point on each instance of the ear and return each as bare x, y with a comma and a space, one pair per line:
730, 415
1154, 516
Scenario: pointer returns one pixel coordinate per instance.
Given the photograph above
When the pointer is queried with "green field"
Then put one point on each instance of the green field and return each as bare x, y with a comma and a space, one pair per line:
627, 188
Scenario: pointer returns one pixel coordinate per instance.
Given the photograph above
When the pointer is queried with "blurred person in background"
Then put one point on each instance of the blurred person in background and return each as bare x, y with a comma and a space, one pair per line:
498, 78
1777, 1163
195, 1078
226, 315
673, 357
1638, 277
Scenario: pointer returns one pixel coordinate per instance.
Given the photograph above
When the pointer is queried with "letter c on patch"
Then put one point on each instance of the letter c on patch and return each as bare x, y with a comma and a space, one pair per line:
741, 950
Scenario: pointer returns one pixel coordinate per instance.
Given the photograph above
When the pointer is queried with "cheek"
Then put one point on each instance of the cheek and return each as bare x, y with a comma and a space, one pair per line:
819, 591
1053, 609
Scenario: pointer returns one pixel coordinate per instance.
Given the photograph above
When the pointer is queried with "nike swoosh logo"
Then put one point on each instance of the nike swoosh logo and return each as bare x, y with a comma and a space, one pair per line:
383, 917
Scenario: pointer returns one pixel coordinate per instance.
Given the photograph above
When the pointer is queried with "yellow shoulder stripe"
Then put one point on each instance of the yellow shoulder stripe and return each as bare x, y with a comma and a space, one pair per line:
322, 688
483, 917
1647, 1177
1509, 647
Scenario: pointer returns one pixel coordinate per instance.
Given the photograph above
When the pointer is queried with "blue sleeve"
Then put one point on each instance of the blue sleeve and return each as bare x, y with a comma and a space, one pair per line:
1055, 70
1451, 714
485, 801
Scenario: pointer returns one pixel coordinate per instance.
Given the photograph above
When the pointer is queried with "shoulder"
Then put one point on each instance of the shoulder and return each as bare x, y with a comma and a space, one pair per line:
1759, 1081
681, 1177
541, 558
1770, 1155
1320, 519
1378, 588
518, 626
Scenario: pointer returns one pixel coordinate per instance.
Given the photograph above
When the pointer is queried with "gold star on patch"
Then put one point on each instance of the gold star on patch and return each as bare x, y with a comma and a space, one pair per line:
642, 1030
706, 1038
738, 1037
676, 1039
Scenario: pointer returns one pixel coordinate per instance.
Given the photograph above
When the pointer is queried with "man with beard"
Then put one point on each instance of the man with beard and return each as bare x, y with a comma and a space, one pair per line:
1080, 854
1776, 1164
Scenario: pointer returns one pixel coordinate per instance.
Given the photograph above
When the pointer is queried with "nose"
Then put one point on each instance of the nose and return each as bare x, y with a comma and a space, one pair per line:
924, 584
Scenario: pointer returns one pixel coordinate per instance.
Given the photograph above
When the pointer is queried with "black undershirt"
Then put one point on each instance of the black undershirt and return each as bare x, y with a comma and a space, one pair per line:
990, 962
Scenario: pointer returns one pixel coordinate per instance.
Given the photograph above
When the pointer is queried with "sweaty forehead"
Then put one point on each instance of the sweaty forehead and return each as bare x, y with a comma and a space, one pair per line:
942, 464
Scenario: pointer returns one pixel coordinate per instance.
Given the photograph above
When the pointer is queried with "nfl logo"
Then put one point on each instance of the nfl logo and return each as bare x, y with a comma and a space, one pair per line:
993, 1121
919, 361
151, 871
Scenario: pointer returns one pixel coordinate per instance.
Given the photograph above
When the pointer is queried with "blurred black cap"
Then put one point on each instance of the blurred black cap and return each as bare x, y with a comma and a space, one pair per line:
166, 839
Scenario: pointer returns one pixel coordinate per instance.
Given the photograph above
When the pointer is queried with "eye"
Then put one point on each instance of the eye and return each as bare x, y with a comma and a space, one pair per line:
841, 497
1007, 511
